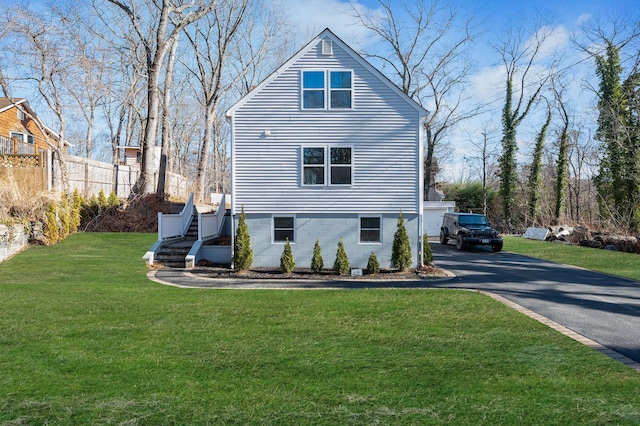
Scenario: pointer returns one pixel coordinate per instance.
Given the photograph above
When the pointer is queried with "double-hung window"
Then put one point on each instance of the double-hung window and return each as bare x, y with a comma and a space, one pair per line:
327, 89
327, 164
313, 88
340, 89
284, 229
370, 229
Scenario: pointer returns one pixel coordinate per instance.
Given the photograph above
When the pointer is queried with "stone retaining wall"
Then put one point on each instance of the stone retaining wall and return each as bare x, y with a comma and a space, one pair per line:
13, 238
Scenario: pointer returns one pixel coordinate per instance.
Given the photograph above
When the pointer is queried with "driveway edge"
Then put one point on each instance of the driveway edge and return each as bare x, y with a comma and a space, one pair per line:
564, 330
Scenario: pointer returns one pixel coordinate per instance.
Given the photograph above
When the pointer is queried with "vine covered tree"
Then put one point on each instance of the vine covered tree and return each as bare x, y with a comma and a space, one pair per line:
535, 176
519, 57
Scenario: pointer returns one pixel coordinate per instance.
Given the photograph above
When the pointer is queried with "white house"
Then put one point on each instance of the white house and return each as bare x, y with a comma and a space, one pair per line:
327, 148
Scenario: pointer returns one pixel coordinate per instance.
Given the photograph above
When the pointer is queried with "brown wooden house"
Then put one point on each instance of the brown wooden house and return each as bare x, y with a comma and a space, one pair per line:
21, 131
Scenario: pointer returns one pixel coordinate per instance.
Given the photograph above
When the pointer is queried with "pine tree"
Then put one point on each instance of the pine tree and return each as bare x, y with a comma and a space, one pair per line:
341, 264
401, 250
65, 216
103, 202
76, 210
52, 233
243, 254
287, 263
373, 266
427, 256
113, 201
316, 261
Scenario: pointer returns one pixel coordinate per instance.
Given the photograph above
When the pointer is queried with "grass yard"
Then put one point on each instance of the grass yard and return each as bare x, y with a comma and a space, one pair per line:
85, 338
610, 262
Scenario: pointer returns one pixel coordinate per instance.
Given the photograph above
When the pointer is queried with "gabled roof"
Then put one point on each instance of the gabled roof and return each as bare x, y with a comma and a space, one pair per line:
8, 103
326, 34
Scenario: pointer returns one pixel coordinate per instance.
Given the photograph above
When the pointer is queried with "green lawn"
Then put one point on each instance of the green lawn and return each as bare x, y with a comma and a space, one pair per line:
85, 338
610, 262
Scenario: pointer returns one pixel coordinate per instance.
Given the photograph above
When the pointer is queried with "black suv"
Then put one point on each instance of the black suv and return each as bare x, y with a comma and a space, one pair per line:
469, 229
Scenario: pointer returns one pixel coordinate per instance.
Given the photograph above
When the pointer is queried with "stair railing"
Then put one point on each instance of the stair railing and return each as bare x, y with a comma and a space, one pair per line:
210, 225
175, 225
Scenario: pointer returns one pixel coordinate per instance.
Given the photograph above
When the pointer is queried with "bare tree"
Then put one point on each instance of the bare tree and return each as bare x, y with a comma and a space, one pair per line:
486, 149
523, 83
227, 45
156, 25
41, 41
423, 50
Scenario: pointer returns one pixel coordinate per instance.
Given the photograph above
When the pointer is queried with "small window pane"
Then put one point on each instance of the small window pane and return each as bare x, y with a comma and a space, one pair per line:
283, 235
340, 99
313, 79
283, 228
340, 175
369, 229
313, 176
340, 155
341, 79
313, 99
313, 155
283, 222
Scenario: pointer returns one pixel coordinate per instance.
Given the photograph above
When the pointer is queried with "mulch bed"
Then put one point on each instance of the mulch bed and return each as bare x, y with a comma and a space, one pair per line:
209, 270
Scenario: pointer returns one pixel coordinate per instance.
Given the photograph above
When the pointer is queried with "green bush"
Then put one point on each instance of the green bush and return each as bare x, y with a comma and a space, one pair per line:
341, 265
65, 216
243, 254
287, 263
113, 201
77, 204
316, 261
427, 256
401, 250
373, 266
51, 232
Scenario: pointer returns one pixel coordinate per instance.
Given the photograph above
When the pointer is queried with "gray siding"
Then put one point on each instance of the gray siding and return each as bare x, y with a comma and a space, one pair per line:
382, 128
328, 230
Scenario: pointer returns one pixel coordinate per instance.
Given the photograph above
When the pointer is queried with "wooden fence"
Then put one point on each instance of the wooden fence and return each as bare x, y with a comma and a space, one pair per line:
31, 170
91, 176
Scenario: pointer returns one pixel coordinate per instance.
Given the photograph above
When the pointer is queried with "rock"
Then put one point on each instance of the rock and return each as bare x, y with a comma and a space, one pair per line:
611, 247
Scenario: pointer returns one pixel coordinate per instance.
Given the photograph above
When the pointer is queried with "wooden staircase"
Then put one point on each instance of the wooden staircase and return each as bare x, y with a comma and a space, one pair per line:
172, 253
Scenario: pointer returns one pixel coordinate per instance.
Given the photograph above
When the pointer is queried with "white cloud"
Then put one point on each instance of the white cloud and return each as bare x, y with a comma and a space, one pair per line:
313, 16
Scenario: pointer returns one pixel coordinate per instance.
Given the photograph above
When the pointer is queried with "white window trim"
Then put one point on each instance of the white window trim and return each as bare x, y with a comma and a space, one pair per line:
273, 228
23, 136
360, 229
303, 89
327, 89
327, 166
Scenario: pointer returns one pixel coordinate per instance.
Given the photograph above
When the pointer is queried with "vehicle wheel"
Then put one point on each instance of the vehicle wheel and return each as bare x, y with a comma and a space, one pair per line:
497, 247
443, 238
460, 244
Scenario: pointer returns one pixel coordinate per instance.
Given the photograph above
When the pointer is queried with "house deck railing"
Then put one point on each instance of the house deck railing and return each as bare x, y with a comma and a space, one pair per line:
175, 225
16, 147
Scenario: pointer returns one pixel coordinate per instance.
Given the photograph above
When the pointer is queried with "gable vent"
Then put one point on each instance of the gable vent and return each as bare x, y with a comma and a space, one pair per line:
327, 47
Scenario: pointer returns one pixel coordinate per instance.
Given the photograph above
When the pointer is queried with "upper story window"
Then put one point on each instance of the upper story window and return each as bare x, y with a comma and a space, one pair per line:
17, 135
340, 88
327, 164
313, 89
20, 114
327, 89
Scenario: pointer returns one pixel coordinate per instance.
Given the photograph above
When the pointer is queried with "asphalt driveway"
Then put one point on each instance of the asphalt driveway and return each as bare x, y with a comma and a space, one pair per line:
603, 308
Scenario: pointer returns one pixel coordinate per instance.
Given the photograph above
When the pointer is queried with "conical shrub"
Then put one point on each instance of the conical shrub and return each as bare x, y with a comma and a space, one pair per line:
401, 250
316, 261
341, 265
